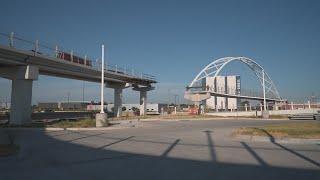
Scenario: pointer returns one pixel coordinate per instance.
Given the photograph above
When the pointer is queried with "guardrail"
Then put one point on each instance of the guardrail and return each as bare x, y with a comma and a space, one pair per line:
41, 48
230, 91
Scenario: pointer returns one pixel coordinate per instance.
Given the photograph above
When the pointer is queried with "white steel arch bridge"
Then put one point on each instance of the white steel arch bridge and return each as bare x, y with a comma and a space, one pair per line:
196, 91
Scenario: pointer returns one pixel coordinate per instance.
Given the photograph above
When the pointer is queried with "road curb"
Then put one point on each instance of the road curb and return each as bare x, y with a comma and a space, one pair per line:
73, 129
88, 129
210, 119
278, 140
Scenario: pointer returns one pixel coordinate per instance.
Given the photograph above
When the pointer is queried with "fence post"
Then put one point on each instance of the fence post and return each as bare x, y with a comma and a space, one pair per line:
56, 51
291, 105
71, 55
309, 104
246, 107
85, 59
11, 39
36, 48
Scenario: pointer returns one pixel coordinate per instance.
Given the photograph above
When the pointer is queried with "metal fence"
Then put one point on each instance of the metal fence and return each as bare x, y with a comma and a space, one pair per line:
55, 51
260, 107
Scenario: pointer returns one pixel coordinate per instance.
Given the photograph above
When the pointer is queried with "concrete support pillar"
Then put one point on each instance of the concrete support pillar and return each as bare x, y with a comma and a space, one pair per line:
143, 98
21, 92
246, 107
21, 96
117, 102
143, 103
118, 88
250, 108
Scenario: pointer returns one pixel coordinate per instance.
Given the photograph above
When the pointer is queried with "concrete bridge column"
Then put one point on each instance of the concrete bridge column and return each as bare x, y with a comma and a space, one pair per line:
118, 102
118, 88
21, 92
143, 103
143, 98
21, 96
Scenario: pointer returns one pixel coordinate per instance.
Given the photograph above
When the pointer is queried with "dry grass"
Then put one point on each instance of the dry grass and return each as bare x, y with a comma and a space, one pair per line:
307, 130
82, 123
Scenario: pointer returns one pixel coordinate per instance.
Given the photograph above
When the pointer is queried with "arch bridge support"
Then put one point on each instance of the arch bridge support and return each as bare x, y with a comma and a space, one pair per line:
214, 68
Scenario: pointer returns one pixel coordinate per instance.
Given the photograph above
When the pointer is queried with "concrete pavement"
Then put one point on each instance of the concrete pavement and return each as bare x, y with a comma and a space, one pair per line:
158, 150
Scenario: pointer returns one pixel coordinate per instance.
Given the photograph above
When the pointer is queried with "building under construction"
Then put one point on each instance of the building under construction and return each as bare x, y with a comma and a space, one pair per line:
222, 85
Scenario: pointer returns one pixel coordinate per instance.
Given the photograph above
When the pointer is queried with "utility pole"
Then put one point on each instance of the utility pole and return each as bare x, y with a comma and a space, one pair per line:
7, 102
68, 94
175, 99
82, 91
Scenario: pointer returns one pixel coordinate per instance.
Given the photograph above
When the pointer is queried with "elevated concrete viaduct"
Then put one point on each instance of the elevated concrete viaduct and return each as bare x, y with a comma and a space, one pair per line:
24, 66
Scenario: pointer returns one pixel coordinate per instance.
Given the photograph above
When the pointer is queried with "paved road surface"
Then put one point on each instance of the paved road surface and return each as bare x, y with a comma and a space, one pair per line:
159, 150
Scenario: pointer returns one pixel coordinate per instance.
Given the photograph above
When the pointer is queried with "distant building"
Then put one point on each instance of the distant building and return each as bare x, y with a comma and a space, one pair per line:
63, 106
222, 85
74, 105
48, 106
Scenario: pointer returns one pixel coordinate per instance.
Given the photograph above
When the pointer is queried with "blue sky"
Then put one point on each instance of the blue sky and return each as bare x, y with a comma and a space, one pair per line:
174, 40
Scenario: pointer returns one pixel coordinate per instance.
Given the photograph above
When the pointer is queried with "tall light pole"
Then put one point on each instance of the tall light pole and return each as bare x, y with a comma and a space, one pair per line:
101, 118
264, 92
102, 79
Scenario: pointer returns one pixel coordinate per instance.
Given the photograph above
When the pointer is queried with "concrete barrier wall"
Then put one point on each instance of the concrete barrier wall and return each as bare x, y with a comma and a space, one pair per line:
258, 113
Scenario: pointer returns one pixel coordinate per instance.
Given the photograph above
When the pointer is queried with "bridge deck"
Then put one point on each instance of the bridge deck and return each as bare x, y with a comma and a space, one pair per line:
60, 68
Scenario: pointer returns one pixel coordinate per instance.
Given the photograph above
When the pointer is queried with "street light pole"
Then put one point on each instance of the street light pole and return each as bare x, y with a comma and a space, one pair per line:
102, 79
101, 118
264, 92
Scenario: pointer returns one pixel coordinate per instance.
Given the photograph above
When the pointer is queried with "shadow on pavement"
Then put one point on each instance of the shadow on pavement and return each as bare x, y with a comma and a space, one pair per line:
44, 157
254, 154
272, 139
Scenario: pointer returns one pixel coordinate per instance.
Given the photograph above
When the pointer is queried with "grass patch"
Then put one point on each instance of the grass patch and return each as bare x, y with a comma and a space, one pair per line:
306, 130
278, 116
82, 123
8, 149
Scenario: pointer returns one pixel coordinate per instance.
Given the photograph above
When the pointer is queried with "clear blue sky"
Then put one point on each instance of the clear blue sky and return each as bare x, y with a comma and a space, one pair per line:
174, 40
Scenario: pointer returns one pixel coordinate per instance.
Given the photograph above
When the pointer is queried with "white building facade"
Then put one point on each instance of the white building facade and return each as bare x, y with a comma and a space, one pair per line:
222, 85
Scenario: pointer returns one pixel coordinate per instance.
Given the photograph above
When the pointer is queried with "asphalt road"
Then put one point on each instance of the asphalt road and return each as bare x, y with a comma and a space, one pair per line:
159, 150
